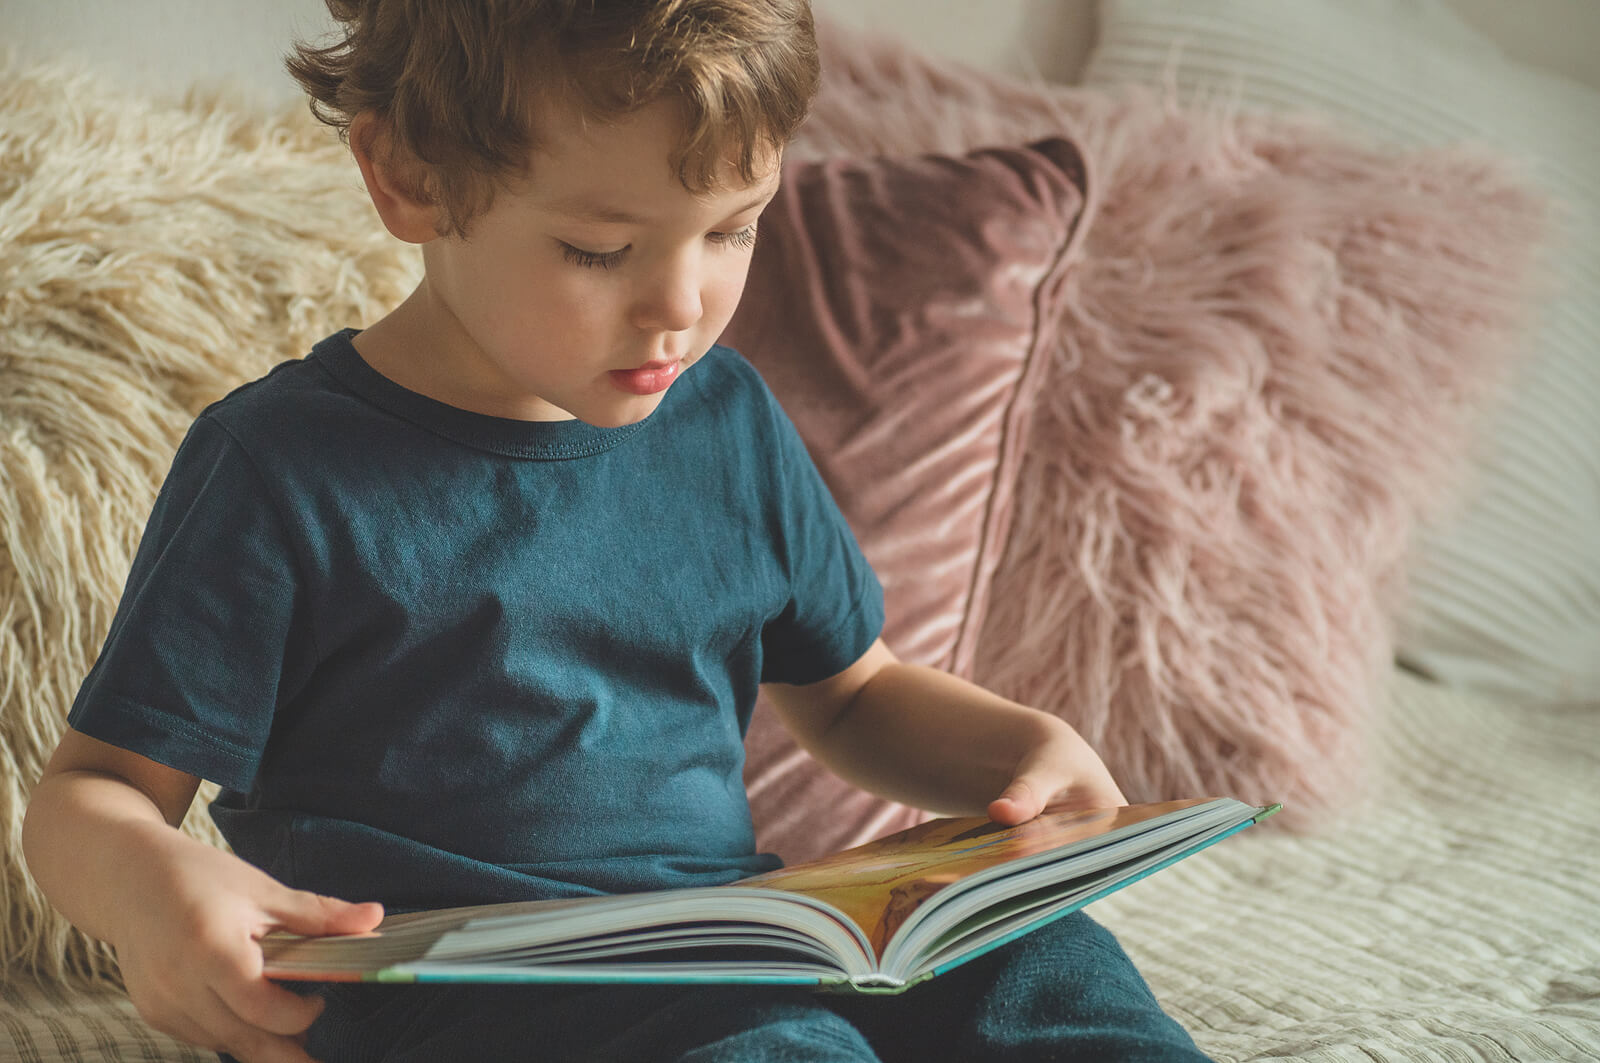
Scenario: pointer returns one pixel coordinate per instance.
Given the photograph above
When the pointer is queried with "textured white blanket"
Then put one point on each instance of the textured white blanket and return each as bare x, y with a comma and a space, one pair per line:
1456, 918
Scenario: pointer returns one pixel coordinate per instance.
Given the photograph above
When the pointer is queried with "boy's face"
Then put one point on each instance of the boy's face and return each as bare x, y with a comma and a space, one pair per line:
587, 290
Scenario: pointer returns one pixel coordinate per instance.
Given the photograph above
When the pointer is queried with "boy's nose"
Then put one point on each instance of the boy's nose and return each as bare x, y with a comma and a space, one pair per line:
669, 301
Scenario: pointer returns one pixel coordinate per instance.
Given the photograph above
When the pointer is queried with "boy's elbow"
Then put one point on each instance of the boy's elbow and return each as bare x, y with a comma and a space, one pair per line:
36, 818
44, 819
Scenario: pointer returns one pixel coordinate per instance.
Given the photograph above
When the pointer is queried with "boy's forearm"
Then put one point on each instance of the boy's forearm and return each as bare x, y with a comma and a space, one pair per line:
94, 843
932, 740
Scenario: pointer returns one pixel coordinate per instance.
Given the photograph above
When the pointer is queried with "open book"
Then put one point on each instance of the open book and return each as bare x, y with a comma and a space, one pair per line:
877, 918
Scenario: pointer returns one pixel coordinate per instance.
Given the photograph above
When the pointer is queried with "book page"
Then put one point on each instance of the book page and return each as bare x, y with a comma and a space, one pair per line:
879, 884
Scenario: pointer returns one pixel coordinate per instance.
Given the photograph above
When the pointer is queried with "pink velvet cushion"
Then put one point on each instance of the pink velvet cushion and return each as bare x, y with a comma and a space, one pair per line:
899, 310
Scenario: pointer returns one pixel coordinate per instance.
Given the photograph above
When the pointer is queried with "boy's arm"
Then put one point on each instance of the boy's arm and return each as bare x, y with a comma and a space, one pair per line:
929, 739
101, 838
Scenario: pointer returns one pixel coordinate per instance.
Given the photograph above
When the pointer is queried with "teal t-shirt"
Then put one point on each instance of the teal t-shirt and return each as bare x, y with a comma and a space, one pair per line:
436, 657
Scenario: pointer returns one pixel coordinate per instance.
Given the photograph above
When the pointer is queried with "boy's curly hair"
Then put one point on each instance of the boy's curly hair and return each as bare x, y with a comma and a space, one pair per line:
456, 85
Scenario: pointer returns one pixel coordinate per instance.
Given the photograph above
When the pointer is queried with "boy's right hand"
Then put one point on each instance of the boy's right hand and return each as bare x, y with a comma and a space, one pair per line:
191, 954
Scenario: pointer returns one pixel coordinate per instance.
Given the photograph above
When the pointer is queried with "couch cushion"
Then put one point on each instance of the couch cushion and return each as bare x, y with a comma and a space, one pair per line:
49, 1024
901, 310
1506, 589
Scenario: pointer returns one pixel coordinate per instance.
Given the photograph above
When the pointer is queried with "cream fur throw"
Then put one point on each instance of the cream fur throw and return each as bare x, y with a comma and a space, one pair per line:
151, 258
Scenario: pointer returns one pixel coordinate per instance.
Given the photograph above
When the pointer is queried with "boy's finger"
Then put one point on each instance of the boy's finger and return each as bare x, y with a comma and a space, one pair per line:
269, 1006
312, 914
246, 1042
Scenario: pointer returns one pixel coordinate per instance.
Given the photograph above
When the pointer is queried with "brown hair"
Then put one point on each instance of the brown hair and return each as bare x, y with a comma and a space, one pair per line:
455, 84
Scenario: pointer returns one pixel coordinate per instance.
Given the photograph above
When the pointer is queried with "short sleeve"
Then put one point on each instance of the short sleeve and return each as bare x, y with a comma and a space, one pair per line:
835, 610
193, 666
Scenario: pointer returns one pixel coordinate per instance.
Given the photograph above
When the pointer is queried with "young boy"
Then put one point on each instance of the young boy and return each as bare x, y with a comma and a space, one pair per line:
473, 605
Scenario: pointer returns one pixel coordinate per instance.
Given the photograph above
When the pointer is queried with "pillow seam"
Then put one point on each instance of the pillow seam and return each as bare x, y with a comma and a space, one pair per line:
1016, 422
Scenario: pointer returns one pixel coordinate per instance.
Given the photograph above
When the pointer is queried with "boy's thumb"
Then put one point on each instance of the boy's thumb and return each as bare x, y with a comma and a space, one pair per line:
314, 915
1019, 790
1020, 801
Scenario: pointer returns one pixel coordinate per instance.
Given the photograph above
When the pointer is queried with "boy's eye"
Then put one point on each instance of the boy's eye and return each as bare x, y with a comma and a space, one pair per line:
591, 259
741, 238
745, 237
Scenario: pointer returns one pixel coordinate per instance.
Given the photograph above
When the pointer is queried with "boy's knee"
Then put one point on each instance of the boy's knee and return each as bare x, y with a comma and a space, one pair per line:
737, 1024
1074, 942
789, 1034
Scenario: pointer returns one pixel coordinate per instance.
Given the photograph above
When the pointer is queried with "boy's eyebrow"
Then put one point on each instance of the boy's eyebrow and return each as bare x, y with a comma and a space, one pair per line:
581, 209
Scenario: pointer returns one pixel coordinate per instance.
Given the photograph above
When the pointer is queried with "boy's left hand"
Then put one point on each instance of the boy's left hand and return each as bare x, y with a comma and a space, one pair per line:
1063, 770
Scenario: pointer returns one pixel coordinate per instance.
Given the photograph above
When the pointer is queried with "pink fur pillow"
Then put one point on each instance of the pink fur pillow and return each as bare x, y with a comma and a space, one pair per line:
1264, 384
1271, 354
901, 310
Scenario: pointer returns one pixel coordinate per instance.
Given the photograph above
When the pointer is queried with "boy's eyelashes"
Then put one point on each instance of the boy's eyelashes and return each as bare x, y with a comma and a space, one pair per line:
591, 259
740, 238
743, 238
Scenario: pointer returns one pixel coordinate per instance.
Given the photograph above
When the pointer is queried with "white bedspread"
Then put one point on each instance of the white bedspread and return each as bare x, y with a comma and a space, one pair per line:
1456, 919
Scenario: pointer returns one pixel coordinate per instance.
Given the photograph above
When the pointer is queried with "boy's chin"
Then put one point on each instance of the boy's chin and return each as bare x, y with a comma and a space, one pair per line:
621, 414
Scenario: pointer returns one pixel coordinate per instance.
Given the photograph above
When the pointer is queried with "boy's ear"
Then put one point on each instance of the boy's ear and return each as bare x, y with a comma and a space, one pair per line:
404, 215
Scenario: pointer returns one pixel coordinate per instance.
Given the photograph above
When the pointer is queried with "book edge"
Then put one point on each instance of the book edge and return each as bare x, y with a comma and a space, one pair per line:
1108, 891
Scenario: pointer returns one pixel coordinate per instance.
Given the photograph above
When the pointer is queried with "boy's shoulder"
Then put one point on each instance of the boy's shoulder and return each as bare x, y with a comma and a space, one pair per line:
298, 425
297, 389
731, 362
730, 377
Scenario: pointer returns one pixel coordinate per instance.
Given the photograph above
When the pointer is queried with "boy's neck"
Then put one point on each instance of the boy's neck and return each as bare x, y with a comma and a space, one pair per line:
409, 346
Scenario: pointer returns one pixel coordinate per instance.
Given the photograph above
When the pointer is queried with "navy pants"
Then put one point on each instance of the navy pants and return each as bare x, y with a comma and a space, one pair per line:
1064, 992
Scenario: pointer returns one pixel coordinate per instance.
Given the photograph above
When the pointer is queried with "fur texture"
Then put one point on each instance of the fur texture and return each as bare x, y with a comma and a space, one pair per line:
151, 259
1274, 347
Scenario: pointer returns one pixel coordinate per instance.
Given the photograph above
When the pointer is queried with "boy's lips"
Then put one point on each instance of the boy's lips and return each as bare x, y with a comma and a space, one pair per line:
648, 378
